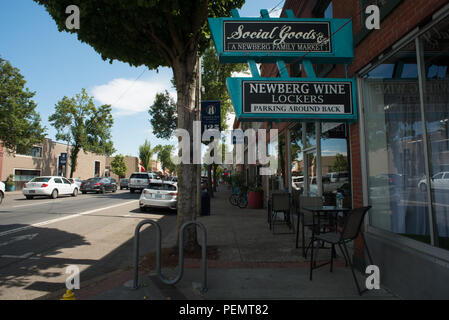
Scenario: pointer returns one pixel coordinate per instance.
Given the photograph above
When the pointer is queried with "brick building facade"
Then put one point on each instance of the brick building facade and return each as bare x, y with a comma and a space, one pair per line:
397, 147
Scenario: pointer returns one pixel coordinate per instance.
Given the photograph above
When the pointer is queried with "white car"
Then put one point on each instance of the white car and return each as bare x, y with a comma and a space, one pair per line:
159, 195
50, 186
2, 191
438, 181
140, 180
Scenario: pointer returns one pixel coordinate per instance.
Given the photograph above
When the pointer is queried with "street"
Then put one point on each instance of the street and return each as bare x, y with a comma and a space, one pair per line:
40, 238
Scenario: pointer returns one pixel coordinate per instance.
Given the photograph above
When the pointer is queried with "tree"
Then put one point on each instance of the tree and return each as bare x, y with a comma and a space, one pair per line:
163, 114
340, 163
146, 155
164, 153
154, 33
78, 121
20, 124
118, 165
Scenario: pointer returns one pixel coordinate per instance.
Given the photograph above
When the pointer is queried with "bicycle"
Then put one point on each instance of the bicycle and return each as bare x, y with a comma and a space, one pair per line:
239, 199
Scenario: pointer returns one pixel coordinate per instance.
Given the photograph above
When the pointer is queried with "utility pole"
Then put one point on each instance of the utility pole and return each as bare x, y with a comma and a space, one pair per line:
68, 149
198, 109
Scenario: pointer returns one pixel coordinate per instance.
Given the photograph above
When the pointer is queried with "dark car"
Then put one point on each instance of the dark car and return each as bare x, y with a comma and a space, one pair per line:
99, 185
124, 183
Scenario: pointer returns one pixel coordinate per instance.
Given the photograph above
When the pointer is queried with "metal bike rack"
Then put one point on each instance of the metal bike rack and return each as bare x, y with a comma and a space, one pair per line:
181, 254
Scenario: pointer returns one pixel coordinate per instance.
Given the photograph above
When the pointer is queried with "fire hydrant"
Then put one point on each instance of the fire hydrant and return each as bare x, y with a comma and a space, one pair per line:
69, 295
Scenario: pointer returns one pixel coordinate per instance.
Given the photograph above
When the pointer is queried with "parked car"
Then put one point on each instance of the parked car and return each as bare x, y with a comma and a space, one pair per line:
438, 181
341, 176
159, 195
2, 191
51, 186
76, 181
124, 183
99, 185
140, 180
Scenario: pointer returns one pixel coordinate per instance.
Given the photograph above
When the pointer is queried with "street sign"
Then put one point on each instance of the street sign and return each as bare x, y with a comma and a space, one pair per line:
63, 159
210, 116
293, 98
268, 40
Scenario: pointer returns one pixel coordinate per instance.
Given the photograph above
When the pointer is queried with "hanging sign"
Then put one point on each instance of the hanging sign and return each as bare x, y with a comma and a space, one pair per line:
289, 36
210, 116
272, 39
294, 98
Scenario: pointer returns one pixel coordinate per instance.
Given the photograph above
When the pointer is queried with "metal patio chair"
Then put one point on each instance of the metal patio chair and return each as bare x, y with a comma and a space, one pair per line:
351, 230
280, 202
305, 217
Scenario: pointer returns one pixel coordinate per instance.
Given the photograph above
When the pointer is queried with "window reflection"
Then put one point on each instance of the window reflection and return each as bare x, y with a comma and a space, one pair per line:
435, 45
395, 149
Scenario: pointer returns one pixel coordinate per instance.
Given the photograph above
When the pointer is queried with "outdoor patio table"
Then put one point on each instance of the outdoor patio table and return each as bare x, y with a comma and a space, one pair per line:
320, 212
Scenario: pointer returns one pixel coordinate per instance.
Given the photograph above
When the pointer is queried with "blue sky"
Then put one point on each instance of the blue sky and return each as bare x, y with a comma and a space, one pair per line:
56, 64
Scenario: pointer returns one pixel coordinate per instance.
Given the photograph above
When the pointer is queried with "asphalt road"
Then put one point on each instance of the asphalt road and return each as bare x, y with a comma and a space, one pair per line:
40, 238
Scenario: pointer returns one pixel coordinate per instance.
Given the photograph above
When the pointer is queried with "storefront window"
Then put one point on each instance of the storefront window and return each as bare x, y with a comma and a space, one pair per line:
435, 45
395, 148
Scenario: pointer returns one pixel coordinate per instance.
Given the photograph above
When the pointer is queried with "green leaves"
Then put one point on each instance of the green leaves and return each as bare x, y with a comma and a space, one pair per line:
20, 124
146, 155
164, 118
78, 121
118, 165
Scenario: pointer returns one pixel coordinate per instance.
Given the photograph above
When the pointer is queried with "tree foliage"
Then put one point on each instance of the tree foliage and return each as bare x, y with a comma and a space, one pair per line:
340, 163
20, 124
154, 33
118, 165
146, 155
78, 121
164, 118
164, 155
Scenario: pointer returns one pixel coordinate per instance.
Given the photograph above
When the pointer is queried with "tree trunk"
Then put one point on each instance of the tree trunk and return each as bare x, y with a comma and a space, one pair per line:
215, 177
74, 159
185, 72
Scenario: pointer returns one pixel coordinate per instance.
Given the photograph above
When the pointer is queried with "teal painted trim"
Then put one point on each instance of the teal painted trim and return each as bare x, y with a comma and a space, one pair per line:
235, 92
290, 13
253, 68
235, 13
283, 72
342, 43
264, 13
308, 67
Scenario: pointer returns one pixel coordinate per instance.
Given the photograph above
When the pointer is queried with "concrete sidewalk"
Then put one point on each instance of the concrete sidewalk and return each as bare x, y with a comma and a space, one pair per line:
253, 263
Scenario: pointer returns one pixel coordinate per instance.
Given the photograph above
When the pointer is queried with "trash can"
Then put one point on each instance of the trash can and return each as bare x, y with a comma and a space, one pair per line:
205, 203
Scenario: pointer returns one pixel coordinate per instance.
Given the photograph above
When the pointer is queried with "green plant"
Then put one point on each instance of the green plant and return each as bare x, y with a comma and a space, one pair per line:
255, 188
238, 181
10, 180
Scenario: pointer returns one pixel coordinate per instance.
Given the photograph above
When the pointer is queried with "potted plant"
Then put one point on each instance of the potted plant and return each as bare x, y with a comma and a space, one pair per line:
255, 197
10, 186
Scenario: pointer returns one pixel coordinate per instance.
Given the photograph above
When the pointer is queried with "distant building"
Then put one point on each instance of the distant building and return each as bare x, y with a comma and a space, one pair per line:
44, 160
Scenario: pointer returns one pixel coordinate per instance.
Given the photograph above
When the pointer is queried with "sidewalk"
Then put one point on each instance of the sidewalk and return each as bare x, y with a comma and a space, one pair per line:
253, 263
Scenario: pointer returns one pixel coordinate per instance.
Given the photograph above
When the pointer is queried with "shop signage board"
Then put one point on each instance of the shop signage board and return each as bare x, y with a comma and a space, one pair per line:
293, 98
269, 40
281, 41
210, 115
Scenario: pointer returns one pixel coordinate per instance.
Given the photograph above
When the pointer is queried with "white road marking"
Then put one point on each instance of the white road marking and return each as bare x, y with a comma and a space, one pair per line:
19, 238
23, 256
39, 224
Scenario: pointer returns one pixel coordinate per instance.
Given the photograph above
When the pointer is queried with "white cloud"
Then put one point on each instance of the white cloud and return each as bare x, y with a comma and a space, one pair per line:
128, 96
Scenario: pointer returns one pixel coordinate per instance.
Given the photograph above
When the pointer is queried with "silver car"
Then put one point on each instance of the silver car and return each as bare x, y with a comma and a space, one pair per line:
139, 180
159, 195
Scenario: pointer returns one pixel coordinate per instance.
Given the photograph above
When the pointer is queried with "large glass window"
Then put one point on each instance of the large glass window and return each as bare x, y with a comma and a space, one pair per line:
435, 48
395, 148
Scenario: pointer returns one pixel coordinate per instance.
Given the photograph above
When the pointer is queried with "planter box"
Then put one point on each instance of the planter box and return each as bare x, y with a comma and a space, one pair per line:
255, 200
